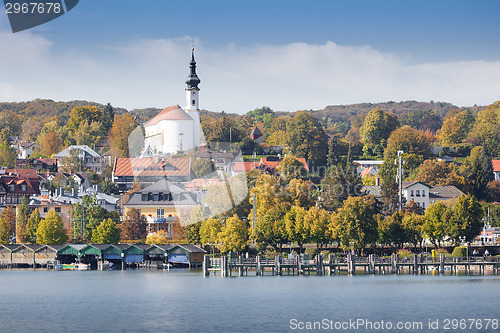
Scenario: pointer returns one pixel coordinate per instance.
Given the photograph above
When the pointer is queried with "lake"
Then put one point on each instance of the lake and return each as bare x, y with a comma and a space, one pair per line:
186, 301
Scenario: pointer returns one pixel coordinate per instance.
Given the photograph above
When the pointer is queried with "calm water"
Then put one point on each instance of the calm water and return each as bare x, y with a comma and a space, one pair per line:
184, 301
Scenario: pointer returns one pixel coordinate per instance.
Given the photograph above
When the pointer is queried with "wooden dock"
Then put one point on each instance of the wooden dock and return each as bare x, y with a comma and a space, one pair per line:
418, 264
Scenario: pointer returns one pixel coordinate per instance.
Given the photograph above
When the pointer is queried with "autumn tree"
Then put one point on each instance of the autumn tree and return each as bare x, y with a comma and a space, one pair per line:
192, 233
32, 226
486, 129
134, 226
74, 162
439, 173
51, 230
391, 230
456, 127
123, 125
376, 129
106, 233
319, 221
202, 167
9, 216
158, 238
233, 236
413, 224
297, 228
108, 115
49, 143
81, 114
355, 224
306, 138
22, 220
4, 231
290, 167
209, 231
88, 133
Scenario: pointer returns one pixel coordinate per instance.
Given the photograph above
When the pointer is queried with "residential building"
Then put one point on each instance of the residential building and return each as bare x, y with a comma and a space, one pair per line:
163, 204
89, 158
16, 184
372, 165
25, 149
148, 171
496, 169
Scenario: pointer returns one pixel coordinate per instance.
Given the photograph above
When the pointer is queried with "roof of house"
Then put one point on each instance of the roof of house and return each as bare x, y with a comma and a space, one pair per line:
374, 190
274, 162
152, 166
496, 165
25, 145
85, 149
410, 184
174, 112
448, 192
244, 166
256, 133
368, 162
180, 197
18, 177
200, 183
367, 171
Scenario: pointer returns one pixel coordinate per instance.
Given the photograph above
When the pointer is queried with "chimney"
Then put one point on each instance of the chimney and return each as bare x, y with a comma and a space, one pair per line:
377, 181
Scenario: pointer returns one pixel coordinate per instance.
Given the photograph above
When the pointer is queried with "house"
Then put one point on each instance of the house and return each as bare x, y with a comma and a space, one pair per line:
39, 164
372, 165
88, 157
257, 135
240, 167
423, 194
496, 169
16, 184
222, 160
25, 149
150, 170
77, 180
163, 204
274, 161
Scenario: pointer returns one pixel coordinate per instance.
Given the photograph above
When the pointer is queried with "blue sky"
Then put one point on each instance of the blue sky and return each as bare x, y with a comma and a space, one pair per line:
288, 55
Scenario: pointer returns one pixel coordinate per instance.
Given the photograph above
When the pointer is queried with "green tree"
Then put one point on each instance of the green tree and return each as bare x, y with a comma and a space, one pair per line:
8, 155
81, 114
290, 167
466, 219
108, 116
209, 231
392, 231
355, 223
88, 213
22, 220
319, 223
106, 233
192, 233
202, 167
271, 227
297, 229
32, 226
481, 172
436, 220
233, 236
88, 134
72, 163
51, 230
413, 224
305, 137
376, 129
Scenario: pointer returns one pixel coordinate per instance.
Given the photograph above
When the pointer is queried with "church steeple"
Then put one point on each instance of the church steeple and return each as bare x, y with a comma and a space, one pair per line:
193, 80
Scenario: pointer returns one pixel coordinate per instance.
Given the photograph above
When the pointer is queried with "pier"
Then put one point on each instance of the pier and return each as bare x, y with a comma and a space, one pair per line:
302, 265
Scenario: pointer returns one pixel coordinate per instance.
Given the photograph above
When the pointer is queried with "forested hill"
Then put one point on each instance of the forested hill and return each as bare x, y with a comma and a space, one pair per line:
342, 113
47, 108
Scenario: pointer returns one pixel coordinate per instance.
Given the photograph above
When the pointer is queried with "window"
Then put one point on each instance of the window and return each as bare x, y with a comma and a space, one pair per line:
194, 102
423, 193
418, 193
155, 197
45, 209
58, 209
160, 213
144, 197
11, 187
23, 187
423, 205
412, 193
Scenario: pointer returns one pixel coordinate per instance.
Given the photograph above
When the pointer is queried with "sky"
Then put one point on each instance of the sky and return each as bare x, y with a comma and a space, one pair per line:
288, 55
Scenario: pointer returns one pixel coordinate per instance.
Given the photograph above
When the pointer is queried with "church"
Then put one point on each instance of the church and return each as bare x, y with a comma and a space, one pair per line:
175, 129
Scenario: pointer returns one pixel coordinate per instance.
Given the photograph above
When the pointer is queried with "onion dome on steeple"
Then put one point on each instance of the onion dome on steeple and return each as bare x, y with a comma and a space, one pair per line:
193, 80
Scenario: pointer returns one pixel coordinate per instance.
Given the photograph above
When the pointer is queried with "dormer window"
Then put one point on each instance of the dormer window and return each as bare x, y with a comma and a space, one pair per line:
23, 187
12, 187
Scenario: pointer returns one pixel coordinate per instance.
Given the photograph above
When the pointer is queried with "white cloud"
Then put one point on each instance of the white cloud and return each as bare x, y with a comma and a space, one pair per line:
234, 78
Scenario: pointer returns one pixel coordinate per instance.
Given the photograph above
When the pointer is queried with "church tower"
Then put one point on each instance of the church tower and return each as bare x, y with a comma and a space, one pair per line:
192, 99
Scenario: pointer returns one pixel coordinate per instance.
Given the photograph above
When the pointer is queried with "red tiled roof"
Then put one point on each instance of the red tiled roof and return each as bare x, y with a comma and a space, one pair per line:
244, 166
274, 164
17, 177
366, 172
153, 166
174, 112
496, 165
